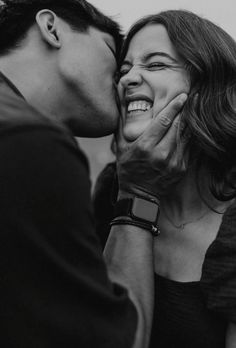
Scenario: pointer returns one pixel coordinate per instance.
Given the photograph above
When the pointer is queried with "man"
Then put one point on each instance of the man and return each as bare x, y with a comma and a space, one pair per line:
58, 65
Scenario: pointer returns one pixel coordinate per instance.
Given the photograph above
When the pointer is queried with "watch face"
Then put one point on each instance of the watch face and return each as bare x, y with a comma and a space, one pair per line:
145, 210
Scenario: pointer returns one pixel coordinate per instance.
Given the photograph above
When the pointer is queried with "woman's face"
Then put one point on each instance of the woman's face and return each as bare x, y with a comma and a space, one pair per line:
152, 74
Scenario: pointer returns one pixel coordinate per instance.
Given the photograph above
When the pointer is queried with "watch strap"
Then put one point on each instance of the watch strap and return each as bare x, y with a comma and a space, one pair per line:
123, 207
155, 231
137, 208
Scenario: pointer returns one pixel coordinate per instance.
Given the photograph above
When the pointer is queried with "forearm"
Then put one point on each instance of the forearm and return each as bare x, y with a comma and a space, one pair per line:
230, 341
129, 258
145, 169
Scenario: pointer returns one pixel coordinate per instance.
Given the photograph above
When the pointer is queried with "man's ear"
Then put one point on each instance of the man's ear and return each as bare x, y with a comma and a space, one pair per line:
47, 22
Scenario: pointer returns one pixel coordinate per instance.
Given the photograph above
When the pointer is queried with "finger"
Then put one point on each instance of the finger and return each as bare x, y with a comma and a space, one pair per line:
182, 154
176, 138
168, 144
179, 158
183, 149
163, 121
195, 99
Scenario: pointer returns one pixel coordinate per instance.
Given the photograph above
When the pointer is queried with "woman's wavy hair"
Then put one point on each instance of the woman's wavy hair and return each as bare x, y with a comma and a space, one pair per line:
209, 56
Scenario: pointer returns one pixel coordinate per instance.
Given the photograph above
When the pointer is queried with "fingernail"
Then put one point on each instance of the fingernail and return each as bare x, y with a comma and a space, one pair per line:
195, 99
183, 97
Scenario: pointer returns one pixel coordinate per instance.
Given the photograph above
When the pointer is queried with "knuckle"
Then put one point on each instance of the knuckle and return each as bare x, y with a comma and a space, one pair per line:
178, 166
183, 167
165, 121
174, 163
163, 156
143, 147
172, 167
176, 123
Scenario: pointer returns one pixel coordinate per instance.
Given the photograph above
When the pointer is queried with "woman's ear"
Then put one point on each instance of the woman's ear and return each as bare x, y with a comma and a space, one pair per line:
48, 26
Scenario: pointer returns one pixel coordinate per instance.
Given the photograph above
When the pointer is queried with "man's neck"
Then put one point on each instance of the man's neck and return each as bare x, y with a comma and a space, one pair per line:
33, 80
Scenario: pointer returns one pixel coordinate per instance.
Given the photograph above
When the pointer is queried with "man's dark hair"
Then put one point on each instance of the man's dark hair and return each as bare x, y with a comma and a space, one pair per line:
17, 16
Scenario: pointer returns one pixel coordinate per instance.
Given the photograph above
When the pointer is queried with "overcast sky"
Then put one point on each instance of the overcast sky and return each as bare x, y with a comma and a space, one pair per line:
126, 12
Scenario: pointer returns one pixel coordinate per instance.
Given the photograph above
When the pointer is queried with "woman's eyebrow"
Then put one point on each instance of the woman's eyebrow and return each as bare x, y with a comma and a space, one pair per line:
150, 55
159, 54
125, 62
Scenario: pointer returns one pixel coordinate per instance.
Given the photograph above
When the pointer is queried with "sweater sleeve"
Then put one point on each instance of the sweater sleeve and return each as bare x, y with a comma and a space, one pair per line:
219, 269
54, 287
104, 197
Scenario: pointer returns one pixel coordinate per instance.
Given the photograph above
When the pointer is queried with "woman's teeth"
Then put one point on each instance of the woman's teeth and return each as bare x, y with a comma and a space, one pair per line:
139, 105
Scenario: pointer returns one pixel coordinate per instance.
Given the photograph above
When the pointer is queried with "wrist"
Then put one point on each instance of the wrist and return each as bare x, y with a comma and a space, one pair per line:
138, 192
153, 229
139, 211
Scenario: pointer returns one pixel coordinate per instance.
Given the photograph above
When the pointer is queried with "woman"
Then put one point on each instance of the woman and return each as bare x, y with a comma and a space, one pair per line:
195, 253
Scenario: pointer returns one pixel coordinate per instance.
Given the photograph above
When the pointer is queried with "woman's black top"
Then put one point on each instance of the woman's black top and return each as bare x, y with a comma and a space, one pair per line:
191, 314
181, 318
196, 314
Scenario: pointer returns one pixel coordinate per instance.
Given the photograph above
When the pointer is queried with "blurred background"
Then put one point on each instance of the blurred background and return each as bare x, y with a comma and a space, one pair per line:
126, 12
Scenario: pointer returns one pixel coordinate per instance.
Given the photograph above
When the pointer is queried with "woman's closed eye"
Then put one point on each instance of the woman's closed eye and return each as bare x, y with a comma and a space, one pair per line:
156, 66
123, 72
150, 66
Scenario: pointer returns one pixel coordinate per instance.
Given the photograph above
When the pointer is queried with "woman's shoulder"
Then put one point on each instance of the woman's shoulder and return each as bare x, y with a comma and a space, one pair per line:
218, 279
226, 236
229, 220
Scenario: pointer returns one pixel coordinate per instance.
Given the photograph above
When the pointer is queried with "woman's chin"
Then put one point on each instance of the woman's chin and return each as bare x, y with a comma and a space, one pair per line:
132, 131
131, 134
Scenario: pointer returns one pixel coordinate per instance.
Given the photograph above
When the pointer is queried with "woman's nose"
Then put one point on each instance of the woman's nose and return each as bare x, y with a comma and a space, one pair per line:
132, 78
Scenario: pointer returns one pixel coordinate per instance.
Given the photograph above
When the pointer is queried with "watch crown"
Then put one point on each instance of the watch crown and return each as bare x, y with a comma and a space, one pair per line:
155, 230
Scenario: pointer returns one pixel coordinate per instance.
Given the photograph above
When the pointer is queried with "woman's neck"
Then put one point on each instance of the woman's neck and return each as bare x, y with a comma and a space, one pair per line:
189, 199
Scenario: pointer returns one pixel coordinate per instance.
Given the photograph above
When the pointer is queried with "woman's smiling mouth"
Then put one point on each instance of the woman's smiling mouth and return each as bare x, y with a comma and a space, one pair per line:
137, 106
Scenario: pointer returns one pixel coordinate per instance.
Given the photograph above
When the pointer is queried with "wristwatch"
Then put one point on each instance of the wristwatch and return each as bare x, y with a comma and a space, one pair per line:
138, 209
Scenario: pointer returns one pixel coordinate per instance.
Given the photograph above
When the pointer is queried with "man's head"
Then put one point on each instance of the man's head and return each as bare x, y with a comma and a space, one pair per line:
68, 49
